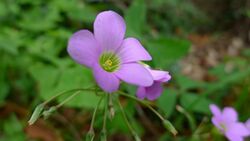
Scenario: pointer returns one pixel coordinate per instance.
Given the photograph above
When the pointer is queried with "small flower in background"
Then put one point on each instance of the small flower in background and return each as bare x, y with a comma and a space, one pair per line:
111, 57
247, 123
227, 122
154, 91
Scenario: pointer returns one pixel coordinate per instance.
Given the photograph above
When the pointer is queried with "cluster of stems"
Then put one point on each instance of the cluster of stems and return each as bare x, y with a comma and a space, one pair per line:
108, 111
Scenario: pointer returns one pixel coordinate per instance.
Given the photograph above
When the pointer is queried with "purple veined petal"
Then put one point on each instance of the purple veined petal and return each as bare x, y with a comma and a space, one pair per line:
154, 91
141, 93
107, 81
83, 48
161, 76
229, 114
109, 30
215, 110
135, 73
131, 50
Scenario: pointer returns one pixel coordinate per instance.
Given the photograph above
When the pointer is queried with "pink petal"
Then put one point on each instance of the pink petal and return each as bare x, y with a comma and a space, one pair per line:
217, 123
141, 92
131, 50
234, 137
215, 110
107, 81
154, 91
230, 114
236, 131
161, 76
247, 124
83, 48
109, 30
135, 73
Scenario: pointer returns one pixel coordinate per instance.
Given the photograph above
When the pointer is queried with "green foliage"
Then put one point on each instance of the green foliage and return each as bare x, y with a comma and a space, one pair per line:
167, 51
35, 64
12, 129
135, 17
167, 102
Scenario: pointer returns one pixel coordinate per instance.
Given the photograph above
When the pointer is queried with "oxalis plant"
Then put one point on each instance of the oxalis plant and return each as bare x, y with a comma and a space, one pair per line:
112, 58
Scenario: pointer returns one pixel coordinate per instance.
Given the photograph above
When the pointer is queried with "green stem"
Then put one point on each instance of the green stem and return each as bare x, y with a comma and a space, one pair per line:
188, 116
111, 106
91, 132
67, 99
142, 102
66, 92
166, 122
94, 114
127, 122
103, 132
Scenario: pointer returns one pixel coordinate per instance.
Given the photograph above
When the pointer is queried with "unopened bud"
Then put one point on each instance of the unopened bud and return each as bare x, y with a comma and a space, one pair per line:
170, 127
36, 114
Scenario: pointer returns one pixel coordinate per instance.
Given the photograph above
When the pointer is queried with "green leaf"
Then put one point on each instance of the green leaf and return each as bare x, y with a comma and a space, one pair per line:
53, 80
186, 83
135, 18
40, 18
46, 78
10, 40
78, 77
77, 10
230, 79
13, 129
167, 101
3, 84
166, 51
201, 105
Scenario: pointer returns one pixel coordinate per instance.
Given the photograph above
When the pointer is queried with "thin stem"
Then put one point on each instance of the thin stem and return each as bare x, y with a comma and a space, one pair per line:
165, 122
94, 114
127, 122
65, 92
91, 133
67, 99
142, 102
105, 116
103, 132
111, 106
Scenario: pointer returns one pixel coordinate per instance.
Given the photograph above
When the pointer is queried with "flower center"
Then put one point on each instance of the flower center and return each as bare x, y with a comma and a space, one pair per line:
109, 61
223, 126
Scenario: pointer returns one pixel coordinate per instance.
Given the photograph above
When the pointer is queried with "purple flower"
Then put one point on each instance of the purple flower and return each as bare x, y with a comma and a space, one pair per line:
227, 122
247, 124
154, 91
111, 57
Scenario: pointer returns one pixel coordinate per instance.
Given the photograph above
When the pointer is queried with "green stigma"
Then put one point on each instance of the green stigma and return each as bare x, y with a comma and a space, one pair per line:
109, 61
223, 126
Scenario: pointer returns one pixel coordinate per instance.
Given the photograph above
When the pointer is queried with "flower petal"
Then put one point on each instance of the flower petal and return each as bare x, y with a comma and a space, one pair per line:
236, 131
109, 30
154, 91
141, 92
248, 124
83, 48
229, 114
107, 81
215, 110
217, 123
161, 76
234, 137
135, 73
131, 50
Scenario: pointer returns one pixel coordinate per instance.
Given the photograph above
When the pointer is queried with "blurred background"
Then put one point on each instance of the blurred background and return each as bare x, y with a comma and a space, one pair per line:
205, 45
